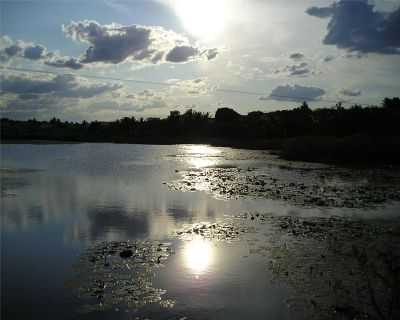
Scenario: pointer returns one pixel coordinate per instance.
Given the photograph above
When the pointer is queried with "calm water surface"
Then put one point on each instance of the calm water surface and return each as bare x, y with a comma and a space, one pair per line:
58, 200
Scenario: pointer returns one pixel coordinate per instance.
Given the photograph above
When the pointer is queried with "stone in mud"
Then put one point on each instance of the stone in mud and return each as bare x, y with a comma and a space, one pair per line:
126, 254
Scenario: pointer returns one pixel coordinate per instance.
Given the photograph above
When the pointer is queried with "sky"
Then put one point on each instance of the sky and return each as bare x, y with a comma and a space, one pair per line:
108, 59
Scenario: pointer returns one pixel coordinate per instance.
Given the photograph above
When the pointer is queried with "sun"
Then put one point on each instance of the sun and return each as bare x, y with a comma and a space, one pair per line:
205, 19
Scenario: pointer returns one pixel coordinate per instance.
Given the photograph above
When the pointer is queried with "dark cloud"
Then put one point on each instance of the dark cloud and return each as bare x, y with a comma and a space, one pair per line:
356, 26
24, 50
59, 86
324, 12
28, 96
211, 53
296, 92
115, 43
111, 43
65, 62
350, 93
24, 106
12, 50
146, 93
36, 52
355, 55
298, 69
329, 58
296, 56
301, 69
181, 54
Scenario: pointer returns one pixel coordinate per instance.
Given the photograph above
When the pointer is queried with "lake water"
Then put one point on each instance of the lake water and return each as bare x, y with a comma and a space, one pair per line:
59, 200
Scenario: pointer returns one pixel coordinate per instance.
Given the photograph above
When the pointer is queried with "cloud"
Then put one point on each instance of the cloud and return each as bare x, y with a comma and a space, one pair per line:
357, 26
130, 106
115, 43
296, 56
296, 92
57, 86
154, 104
321, 12
350, 93
301, 69
329, 58
211, 53
199, 86
28, 106
26, 96
10, 49
146, 94
64, 62
35, 52
181, 54
111, 44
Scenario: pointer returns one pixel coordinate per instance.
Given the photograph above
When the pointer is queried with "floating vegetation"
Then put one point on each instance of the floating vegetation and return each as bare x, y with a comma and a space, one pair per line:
339, 268
219, 231
119, 275
326, 187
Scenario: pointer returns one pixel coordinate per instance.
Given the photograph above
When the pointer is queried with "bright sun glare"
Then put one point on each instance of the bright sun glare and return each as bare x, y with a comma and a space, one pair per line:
205, 19
198, 255
202, 156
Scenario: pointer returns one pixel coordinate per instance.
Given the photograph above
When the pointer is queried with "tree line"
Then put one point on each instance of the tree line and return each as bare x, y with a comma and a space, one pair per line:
227, 127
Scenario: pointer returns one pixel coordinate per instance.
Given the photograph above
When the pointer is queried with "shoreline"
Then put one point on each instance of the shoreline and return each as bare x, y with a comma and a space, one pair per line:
357, 150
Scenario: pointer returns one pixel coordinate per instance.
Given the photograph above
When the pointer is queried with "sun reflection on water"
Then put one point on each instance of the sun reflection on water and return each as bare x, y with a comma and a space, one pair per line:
202, 150
198, 256
201, 156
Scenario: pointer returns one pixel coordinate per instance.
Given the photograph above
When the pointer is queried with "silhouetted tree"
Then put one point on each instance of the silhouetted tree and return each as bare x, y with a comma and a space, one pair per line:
228, 125
391, 103
226, 115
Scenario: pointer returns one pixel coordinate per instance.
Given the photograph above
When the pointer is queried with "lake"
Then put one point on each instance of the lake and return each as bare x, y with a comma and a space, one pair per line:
70, 212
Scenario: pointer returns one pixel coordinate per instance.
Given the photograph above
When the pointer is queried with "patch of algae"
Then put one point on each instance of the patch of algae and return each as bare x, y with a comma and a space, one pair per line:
119, 274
